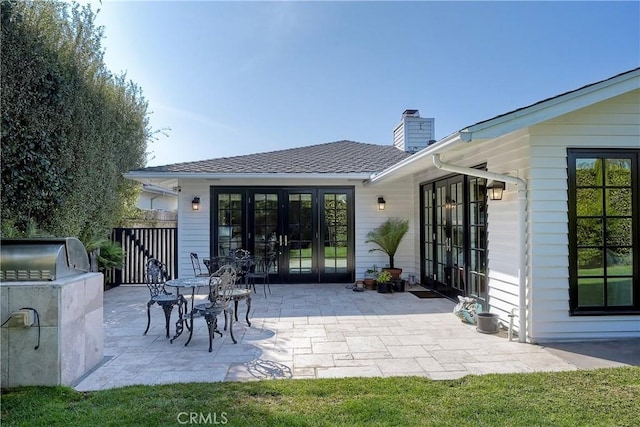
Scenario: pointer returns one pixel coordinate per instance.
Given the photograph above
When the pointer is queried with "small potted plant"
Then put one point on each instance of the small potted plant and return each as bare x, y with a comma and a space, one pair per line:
385, 285
370, 277
388, 236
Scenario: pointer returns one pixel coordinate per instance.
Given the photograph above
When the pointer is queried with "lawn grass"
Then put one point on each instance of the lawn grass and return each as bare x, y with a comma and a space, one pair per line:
603, 397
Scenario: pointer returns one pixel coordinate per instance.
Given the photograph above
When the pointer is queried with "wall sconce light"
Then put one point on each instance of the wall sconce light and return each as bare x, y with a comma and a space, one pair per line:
495, 190
195, 203
381, 203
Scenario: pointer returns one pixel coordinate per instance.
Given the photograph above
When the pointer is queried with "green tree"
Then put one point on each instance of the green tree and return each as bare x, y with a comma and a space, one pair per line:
70, 127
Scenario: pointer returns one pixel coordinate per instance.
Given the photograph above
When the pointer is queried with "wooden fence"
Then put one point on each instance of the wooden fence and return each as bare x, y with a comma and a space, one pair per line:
140, 244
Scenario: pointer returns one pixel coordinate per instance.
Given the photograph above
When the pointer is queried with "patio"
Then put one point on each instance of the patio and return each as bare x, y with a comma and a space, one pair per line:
308, 331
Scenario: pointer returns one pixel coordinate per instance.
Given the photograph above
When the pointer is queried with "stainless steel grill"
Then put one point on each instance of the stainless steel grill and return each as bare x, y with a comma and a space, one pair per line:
42, 259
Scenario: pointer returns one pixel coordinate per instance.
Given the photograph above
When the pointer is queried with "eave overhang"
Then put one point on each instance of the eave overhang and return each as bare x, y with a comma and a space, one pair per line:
143, 176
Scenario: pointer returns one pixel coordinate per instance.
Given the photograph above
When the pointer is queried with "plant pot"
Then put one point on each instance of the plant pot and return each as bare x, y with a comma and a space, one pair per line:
395, 272
385, 287
488, 323
369, 284
398, 285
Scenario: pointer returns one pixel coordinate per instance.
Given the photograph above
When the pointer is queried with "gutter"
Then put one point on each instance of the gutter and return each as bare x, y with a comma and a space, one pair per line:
159, 190
522, 232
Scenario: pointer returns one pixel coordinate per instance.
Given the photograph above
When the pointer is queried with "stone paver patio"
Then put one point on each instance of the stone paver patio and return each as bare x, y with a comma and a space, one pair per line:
308, 331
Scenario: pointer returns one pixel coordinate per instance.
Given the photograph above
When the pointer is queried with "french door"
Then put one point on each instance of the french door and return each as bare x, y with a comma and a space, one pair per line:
309, 229
449, 235
453, 251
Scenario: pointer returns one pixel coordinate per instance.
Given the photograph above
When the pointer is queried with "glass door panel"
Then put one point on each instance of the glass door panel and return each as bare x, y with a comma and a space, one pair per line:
456, 239
264, 219
298, 244
449, 242
477, 265
428, 255
229, 221
442, 234
336, 232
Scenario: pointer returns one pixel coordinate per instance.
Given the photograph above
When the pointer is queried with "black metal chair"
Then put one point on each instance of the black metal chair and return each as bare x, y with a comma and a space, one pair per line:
195, 263
242, 261
221, 285
155, 278
216, 262
260, 271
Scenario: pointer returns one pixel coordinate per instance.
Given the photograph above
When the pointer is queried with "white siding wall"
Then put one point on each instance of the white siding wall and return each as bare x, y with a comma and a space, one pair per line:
509, 155
401, 202
194, 226
610, 124
154, 201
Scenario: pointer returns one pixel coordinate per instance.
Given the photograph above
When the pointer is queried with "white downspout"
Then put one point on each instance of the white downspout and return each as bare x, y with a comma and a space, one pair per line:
522, 225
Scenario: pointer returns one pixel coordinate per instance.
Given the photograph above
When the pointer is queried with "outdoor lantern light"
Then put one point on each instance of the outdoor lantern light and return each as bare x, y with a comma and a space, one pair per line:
495, 190
195, 203
381, 203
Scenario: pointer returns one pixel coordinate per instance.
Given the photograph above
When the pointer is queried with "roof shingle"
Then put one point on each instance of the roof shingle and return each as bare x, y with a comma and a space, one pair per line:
331, 157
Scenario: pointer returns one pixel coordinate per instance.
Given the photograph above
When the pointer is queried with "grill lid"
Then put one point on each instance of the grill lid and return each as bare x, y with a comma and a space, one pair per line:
42, 259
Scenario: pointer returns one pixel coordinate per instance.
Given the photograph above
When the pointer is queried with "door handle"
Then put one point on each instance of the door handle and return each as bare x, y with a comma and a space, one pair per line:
285, 240
280, 239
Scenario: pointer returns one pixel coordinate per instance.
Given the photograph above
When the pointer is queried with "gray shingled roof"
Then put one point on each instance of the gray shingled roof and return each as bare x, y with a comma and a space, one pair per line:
332, 157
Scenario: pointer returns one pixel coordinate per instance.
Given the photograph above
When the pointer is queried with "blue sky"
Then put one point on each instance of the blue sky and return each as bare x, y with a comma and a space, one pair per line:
233, 78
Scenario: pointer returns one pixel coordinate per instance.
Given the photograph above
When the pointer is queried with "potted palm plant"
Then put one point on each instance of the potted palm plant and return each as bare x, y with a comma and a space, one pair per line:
105, 255
387, 236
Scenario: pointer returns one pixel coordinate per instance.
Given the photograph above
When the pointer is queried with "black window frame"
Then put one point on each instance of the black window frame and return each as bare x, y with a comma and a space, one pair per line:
572, 155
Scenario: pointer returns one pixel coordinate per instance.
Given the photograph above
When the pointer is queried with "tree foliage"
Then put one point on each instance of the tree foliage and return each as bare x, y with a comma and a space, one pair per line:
70, 127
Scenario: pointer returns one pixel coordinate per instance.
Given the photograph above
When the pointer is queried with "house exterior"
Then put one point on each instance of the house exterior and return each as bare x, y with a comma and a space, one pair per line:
156, 198
559, 250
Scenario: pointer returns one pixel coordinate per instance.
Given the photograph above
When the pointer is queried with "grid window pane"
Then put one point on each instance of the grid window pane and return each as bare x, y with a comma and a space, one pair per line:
591, 292
620, 291
603, 238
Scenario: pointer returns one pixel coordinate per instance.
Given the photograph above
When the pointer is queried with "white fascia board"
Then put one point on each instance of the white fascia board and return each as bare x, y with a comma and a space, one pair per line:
553, 107
145, 176
406, 167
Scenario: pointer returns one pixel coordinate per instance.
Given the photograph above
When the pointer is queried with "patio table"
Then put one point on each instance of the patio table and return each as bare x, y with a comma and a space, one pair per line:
186, 282
185, 319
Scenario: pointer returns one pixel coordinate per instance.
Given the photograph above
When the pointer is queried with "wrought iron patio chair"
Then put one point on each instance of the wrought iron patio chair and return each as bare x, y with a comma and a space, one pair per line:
221, 285
195, 263
216, 262
242, 261
155, 278
260, 271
